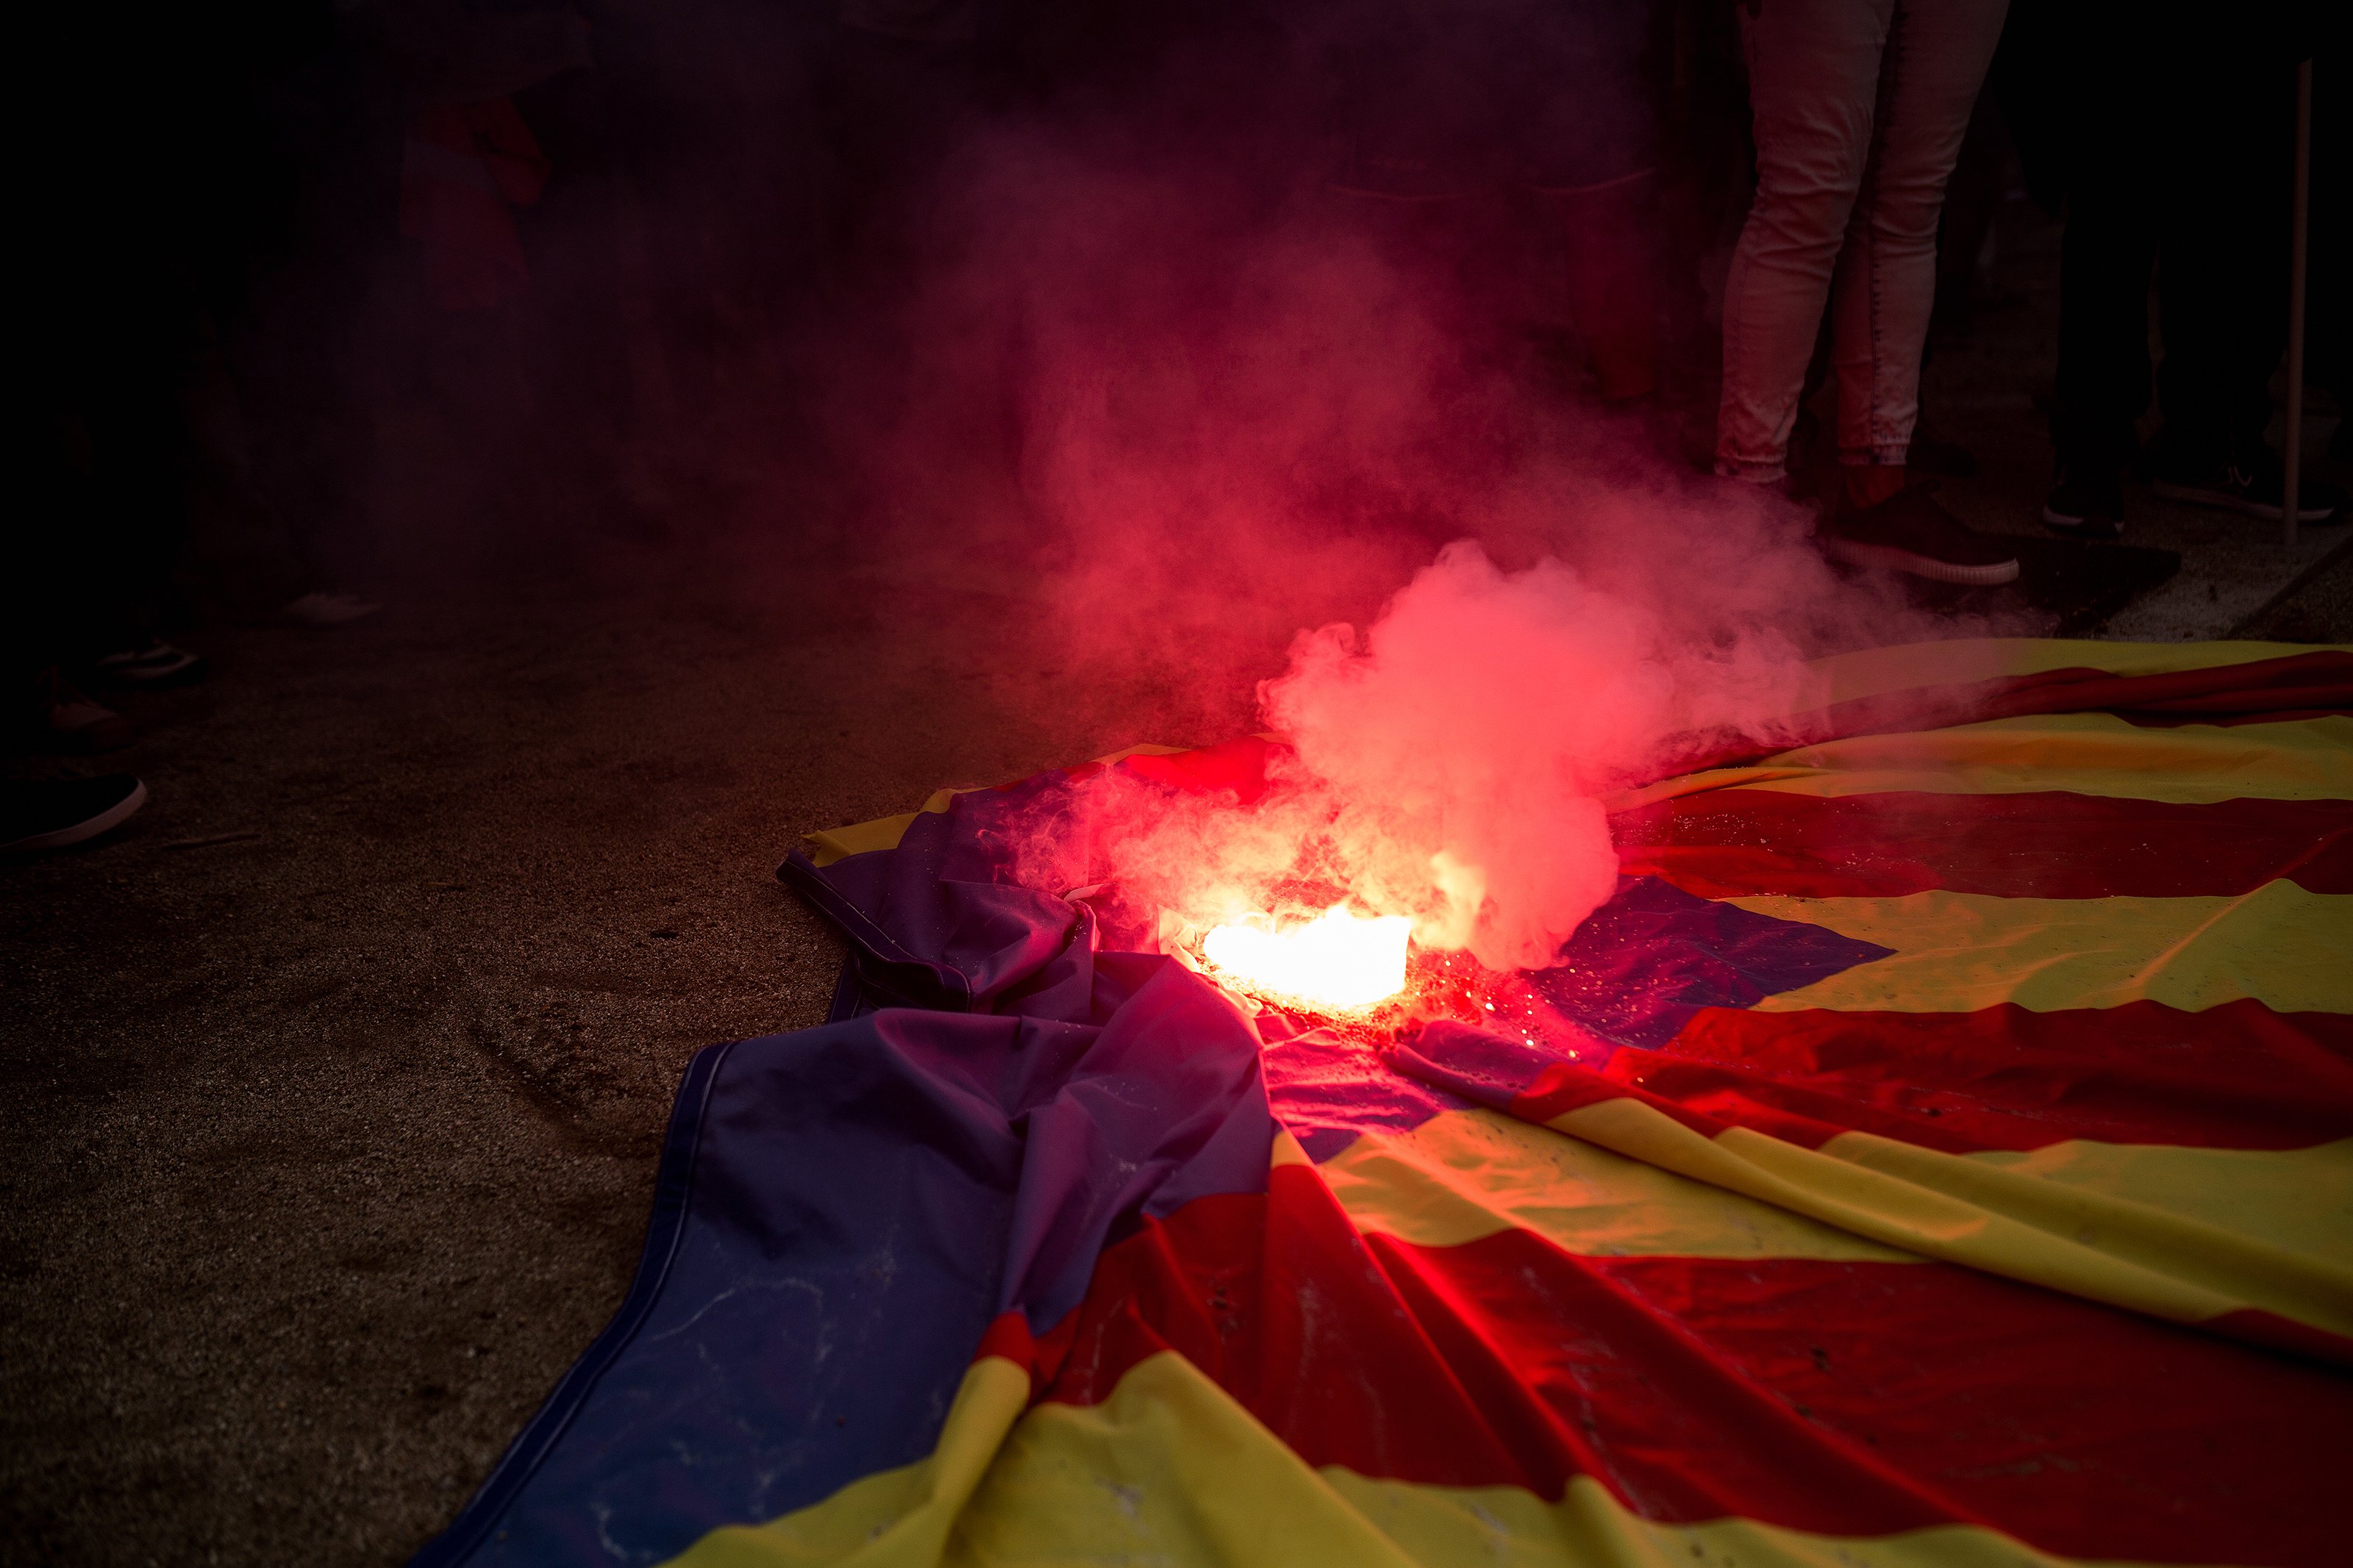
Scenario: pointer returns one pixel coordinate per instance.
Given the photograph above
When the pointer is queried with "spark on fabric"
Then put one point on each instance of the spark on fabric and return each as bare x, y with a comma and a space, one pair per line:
1339, 960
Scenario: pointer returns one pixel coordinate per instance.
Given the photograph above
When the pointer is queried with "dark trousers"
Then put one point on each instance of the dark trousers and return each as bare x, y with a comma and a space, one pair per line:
2180, 166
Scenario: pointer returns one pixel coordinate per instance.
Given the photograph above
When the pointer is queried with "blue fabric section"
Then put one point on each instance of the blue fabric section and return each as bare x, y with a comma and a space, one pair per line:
1631, 975
1645, 961
1170, 1107
477, 1520
945, 900
849, 1207
1326, 1090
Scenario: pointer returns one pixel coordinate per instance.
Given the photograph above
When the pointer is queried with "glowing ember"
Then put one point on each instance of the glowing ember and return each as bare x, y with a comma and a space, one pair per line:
1335, 961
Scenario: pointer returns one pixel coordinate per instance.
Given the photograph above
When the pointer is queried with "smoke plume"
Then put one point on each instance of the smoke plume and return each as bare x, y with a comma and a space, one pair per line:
1466, 739
1449, 763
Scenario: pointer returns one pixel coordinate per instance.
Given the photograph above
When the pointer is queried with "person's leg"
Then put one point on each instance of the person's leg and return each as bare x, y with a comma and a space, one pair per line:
2328, 328
1972, 195
2222, 290
2105, 260
1813, 72
138, 510
2222, 287
2107, 253
1935, 60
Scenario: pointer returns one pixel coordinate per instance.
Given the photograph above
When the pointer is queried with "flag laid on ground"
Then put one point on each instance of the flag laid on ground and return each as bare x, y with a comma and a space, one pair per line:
1940, 1153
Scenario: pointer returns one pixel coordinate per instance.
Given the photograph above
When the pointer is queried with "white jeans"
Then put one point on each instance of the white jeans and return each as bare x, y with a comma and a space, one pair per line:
1859, 107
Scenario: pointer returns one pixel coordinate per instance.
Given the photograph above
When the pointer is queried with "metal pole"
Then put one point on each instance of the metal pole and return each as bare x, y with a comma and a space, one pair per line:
2298, 221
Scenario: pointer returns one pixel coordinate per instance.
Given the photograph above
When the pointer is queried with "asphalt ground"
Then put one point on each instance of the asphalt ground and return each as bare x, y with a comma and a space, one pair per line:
335, 1081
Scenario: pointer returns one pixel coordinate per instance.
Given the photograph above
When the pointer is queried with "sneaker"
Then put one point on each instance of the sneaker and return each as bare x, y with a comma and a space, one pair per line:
1931, 456
320, 608
1910, 533
40, 814
66, 720
151, 665
2085, 506
2255, 485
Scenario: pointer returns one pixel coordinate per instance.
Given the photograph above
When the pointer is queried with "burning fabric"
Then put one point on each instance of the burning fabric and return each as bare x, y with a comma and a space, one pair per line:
1931, 1144
1446, 768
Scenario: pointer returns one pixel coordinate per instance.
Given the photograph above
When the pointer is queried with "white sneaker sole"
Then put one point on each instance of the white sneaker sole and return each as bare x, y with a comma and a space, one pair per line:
2223, 500
149, 674
1887, 558
2082, 527
114, 815
322, 610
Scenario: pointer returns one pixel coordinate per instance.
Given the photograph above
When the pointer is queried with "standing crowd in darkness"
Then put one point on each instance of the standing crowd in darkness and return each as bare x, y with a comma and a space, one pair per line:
266, 232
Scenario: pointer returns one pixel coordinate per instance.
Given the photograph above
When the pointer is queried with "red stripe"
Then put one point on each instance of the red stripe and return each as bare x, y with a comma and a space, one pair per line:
1682, 1093
1851, 1399
2341, 707
1237, 766
2235, 1076
2082, 1430
1275, 1297
1730, 843
1564, 1087
2087, 1431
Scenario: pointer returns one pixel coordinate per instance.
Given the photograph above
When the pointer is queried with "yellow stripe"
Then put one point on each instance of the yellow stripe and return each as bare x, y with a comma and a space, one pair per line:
2300, 1200
1470, 1173
897, 1516
1889, 1209
1466, 1175
2097, 753
864, 837
2311, 1287
1472, 1527
1957, 953
2072, 1238
2084, 753
1171, 1471
1871, 672
858, 839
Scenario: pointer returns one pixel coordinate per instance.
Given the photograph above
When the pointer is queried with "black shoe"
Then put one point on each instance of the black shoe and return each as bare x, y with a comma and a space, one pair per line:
151, 665
2085, 506
1928, 455
38, 815
2253, 483
1909, 532
320, 607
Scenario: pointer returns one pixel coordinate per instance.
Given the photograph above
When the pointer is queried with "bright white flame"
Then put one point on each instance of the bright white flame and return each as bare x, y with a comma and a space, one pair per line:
1336, 959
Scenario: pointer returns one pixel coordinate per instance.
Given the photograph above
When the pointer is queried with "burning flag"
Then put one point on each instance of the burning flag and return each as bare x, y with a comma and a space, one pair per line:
1936, 1147
1339, 962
